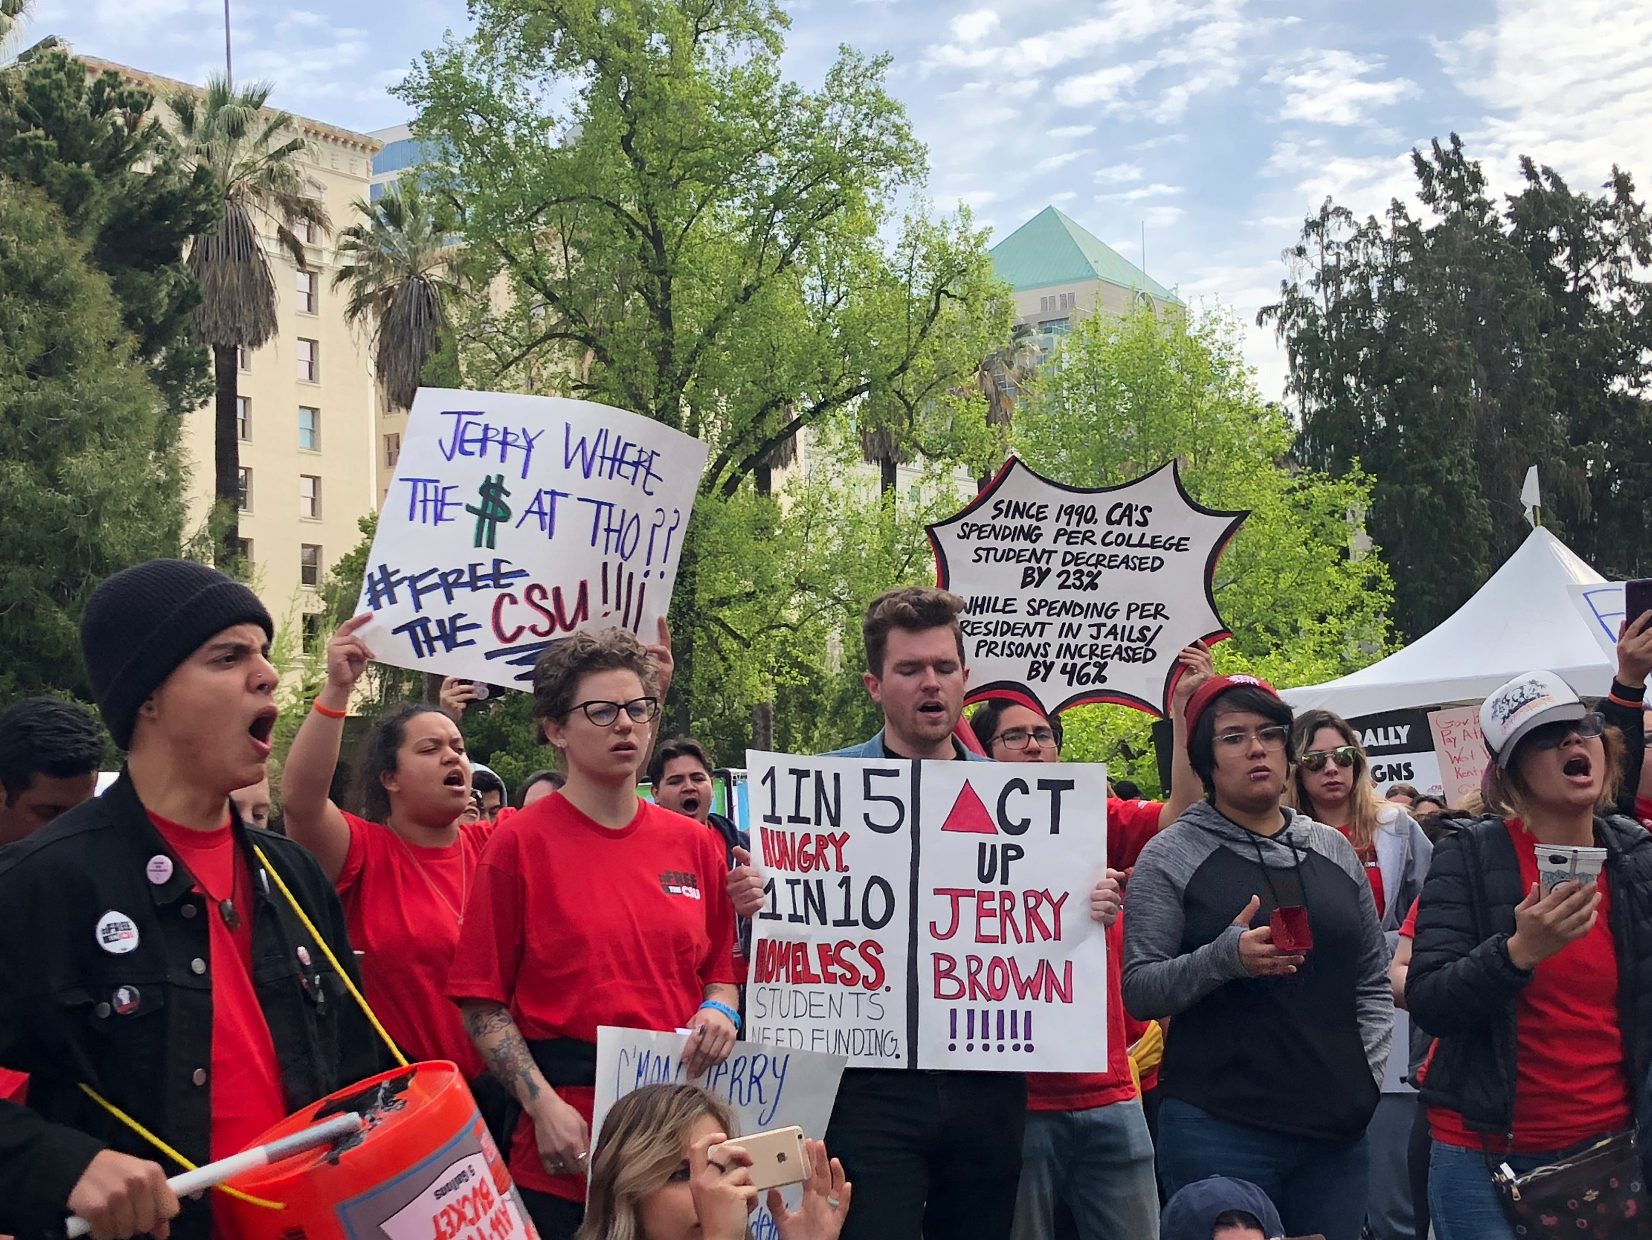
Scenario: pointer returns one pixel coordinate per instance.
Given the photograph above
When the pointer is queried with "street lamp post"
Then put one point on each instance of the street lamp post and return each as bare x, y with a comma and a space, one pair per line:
229, 68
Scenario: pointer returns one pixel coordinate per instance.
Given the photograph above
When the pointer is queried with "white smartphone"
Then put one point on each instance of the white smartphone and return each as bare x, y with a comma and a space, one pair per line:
777, 1156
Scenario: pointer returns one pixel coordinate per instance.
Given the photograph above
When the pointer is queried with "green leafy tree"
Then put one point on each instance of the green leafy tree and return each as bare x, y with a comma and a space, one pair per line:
1304, 600
396, 261
89, 474
1448, 353
111, 168
664, 223
252, 157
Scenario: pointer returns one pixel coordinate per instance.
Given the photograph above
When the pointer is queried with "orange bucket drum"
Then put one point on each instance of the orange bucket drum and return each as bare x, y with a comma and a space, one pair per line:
423, 1167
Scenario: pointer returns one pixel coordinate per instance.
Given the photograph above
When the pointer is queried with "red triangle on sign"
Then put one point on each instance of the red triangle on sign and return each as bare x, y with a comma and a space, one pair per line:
969, 815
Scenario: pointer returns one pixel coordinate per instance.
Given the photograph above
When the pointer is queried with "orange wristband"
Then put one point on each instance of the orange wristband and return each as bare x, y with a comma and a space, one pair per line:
328, 712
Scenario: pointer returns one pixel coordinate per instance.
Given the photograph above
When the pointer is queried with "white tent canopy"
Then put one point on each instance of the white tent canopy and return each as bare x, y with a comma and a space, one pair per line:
1522, 619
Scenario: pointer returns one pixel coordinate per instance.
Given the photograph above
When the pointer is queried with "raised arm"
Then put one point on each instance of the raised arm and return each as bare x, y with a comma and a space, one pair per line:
1185, 787
313, 820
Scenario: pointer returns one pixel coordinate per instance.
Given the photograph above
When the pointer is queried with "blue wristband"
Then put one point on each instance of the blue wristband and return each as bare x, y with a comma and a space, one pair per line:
726, 1010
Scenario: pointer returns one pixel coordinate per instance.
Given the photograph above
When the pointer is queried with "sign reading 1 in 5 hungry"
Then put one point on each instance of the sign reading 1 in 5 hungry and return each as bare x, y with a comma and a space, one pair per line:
516, 520
930, 914
1082, 595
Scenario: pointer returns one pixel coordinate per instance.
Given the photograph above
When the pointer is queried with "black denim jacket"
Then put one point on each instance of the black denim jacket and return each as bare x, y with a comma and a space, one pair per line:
136, 1025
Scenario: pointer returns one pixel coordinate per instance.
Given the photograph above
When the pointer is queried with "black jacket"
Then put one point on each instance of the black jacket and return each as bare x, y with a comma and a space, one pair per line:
59, 1020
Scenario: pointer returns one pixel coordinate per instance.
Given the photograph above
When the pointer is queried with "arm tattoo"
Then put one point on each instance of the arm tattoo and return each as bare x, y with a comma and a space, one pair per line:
504, 1050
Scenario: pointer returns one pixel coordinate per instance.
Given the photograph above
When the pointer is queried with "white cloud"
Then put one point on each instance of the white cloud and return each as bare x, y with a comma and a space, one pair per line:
1104, 86
973, 27
1057, 161
1145, 191
1064, 196
1328, 87
1118, 174
1072, 131
1161, 217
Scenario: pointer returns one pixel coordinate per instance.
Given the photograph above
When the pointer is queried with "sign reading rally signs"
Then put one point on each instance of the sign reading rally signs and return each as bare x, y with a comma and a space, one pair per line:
515, 520
930, 914
1080, 595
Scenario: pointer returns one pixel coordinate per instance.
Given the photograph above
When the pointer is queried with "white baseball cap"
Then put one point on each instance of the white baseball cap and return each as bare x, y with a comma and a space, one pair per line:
1526, 702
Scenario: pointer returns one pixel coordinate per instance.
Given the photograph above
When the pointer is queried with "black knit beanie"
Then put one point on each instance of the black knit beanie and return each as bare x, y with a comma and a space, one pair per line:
145, 620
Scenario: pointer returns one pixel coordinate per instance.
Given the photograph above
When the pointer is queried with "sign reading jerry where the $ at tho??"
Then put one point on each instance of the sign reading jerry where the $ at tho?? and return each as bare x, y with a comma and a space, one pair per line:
930, 914
516, 520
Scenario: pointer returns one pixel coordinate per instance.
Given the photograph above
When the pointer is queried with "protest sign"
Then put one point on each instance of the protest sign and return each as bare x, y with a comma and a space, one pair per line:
1082, 594
516, 520
1602, 608
930, 914
1461, 750
765, 1086
1399, 749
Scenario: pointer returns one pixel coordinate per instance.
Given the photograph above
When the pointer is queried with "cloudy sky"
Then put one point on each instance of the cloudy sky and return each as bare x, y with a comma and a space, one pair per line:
1213, 124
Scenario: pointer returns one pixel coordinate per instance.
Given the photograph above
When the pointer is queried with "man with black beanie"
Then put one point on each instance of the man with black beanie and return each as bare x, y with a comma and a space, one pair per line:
149, 962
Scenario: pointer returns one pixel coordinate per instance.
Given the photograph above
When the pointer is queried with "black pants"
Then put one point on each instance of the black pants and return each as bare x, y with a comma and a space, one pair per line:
553, 1218
936, 1154
1417, 1155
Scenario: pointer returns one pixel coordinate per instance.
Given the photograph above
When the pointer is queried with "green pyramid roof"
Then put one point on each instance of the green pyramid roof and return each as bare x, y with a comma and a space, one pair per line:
1052, 249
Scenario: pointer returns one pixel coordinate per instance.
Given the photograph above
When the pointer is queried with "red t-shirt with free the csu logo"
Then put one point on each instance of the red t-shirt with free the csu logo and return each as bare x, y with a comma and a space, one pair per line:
1572, 1084
572, 925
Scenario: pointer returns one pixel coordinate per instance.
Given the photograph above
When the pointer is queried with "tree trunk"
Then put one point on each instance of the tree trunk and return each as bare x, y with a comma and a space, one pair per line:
226, 453
763, 478
887, 482
762, 726
679, 708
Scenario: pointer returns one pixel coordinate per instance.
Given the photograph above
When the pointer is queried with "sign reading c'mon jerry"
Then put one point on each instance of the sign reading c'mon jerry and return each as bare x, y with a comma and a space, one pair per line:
513, 521
930, 914
1082, 594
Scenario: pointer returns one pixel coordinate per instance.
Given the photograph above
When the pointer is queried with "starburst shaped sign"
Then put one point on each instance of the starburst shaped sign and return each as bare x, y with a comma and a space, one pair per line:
1082, 594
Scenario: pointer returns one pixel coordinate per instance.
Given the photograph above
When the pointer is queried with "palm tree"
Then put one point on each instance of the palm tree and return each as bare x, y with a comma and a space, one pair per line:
255, 166
1003, 375
398, 264
11, 16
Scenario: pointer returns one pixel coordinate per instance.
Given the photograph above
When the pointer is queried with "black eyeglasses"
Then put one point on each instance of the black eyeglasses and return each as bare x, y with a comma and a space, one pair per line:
1342, 755
603, 714
1021, 738
1554, 735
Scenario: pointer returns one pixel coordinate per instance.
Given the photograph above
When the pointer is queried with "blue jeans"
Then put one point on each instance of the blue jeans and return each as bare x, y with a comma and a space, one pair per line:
1462, 1201
1100, 1162
1317, 1186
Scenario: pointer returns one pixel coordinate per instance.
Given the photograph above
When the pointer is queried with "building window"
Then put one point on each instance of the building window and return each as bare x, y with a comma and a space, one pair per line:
309, 497
246, 550
304, 231
309, 429
243, 418
309, 361
308, 286
245, 499
243, 357
309, 564
312, 631
392, 450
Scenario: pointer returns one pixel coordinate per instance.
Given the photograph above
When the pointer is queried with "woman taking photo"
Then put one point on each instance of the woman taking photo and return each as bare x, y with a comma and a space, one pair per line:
1540, 992
591, 907
654, 1178
1253, 927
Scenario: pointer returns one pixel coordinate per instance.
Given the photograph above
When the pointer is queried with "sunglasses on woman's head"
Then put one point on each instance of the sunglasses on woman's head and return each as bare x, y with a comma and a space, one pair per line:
1342, 755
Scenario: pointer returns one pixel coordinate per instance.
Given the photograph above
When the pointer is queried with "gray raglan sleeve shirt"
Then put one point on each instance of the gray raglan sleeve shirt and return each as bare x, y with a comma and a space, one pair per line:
1159, 979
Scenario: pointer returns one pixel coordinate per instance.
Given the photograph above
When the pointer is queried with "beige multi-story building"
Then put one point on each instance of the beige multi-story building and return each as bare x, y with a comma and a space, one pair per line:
313, 455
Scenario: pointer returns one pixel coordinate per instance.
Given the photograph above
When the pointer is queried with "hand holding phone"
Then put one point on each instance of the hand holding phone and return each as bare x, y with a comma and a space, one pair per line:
777, 1156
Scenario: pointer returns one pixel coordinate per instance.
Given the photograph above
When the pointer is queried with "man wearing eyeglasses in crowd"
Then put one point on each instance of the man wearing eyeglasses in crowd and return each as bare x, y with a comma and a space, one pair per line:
1087, 1141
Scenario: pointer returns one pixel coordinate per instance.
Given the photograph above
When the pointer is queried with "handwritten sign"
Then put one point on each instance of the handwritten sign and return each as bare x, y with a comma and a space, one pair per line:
764, 1086
930, 914
516, 520
1082, 595
1461, 750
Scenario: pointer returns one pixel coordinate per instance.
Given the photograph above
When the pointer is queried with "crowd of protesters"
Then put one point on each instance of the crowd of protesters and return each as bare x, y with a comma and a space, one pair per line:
1264, 924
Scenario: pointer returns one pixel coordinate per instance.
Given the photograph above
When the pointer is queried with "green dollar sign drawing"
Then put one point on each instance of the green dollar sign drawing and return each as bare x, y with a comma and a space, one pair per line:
494, 509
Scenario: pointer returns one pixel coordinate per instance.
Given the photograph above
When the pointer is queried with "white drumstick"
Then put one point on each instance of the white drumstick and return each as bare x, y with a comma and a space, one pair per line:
324, 1133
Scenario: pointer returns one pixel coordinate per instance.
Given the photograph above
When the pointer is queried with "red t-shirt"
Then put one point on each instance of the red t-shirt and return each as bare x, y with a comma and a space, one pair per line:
572, 925
1130, 824
402, 905
1571, 1083
1080, 1091
1408, 927
245, 1076
14, 1086
1373, 872
1643, 809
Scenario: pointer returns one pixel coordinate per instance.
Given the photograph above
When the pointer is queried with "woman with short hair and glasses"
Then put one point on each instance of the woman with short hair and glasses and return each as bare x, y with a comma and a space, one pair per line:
1253, 927
591, 907
1538, 986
